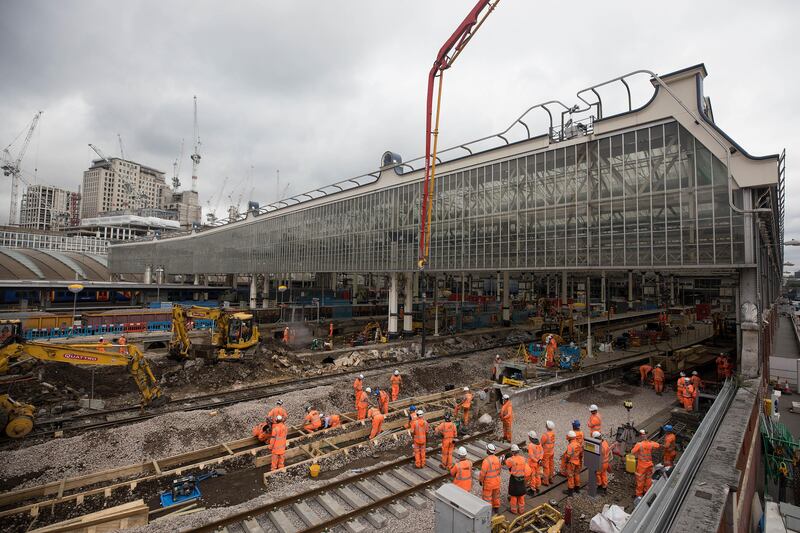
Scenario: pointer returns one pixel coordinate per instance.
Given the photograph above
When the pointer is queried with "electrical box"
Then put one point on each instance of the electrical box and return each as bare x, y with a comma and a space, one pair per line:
459, 511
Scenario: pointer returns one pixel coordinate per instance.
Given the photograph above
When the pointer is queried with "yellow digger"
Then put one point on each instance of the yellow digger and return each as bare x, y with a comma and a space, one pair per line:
16, 354
231, 334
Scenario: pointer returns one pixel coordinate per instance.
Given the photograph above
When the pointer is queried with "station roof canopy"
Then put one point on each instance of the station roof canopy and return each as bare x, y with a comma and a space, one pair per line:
29, 264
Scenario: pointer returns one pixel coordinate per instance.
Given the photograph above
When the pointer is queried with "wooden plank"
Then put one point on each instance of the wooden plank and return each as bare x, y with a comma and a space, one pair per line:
227, 449
156, 467
133, 513
61, 488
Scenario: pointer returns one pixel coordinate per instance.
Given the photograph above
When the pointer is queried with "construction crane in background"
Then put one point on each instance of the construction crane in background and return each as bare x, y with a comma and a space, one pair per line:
447, 55
11, 167
176, 169
121, 147
195, 157
211, 217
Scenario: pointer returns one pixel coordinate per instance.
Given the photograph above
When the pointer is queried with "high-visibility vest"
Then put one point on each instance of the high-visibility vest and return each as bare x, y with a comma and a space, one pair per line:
363, 400
549, 442
419, 428
595, 423
669, 442
644, 451
396, 381
658, 375
278, 410
688, 391
334, 421
383, 398
277, 441
579, 437
507, 412
535, 453
467, 403
490, 472
574, 452
462, 474
516, 465
447, 429
605, 452
357, 384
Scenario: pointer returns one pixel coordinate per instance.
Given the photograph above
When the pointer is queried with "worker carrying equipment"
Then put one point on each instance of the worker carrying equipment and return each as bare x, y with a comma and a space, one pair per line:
449, 432
595, 420
519, 476
571, 464
548, 460
462, 471
670, 447
601, 475
535, 457
277, 443
396, 380
464, 406
490, 478
419, 432
507, 417
658, 379
643, 451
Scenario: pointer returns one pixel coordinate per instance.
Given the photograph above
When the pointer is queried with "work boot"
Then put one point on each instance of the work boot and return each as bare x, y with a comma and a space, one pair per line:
568, 492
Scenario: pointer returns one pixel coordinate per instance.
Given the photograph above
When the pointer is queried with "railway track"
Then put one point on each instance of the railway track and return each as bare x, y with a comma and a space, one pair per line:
71, 425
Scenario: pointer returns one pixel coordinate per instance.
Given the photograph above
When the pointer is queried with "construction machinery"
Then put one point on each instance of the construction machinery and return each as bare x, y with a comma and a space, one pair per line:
11, 167
18, 355
543, 518
231, 333
372, 332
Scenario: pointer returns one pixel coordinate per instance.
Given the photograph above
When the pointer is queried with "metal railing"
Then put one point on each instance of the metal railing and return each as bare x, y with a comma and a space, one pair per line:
57, 243
659, 506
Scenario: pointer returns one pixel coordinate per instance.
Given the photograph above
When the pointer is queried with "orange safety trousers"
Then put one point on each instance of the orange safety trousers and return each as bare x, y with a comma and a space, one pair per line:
507, 431
419, 455
669, 457
277, 461
644, 478
548, 467
395, 392
447, 452
573, 475
659, 385
517, 504
377, 425
602, 475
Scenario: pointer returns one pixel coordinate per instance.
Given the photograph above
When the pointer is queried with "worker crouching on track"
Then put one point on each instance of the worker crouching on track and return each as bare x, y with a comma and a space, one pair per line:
377, 422
462, 471
419, 432
277, 443
670, 448
644, 370
548, 454
396, 380
312, 421
464, 406
448, 431
643, 451
535, 457
571, 464
507, 417
658, 379
490, 478
518, 480
605, 462
330, 421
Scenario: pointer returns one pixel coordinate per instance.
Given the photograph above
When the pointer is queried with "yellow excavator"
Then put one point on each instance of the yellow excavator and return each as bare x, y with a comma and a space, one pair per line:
231, 335
17, 354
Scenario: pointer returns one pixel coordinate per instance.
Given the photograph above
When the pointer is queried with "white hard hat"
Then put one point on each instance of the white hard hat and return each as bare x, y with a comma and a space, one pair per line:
506, 397
462, 452
658, 365
686, 380
694, 372
593, 407
491, 448
532, 435
514, 448
279, 418
102, 338
497, 356
642, 432
361, 376
682, 374
550, 424
396, 372
420, 412
466, 389
367, 390
596, 434
571, 434
280, 402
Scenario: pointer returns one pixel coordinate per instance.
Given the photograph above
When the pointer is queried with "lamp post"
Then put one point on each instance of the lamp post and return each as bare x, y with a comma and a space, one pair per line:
159, 271
74, 288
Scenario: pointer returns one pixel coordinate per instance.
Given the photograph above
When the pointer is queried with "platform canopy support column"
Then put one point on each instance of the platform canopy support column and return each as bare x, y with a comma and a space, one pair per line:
506, 299
253, 290
749, 348
393, 297
564, 296
148, 274
630, 289
265, 292
408, 308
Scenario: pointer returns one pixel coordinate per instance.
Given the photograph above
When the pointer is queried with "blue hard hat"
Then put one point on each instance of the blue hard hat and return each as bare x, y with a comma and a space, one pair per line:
667, 428
576, 423
412, 408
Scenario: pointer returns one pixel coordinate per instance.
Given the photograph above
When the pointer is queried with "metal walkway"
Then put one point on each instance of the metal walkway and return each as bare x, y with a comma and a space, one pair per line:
786, 344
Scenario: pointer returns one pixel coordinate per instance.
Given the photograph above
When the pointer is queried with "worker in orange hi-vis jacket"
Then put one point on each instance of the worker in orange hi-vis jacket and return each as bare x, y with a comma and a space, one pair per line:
277, 443
605, 462
535, 458
396, 380
643, 451
490, 478
517, 481
595, 420
358, 385
362, 403
507, 417
548, 459
377, 422
464, 406
419, 432
448, 431
462, 471
658, 379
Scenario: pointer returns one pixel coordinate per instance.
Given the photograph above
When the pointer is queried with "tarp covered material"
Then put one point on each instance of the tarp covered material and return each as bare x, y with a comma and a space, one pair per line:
611, 520
130, 220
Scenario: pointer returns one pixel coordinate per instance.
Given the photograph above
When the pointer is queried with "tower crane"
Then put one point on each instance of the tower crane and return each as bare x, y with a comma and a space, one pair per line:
195, 157
176, 170
211, 217
447, 55
11, 167
121, 147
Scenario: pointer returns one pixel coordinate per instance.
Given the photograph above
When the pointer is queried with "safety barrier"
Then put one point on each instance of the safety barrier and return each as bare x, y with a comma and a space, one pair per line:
77, 331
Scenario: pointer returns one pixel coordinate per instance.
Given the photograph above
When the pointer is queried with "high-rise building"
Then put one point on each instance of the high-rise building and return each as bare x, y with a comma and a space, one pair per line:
49, 208
117, 184
187, 205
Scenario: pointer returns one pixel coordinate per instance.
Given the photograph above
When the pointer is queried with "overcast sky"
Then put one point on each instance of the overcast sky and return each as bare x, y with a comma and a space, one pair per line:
320, 89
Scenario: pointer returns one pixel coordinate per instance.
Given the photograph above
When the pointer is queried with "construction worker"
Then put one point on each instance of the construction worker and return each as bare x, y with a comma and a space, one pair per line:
278, 410
535, 456
576, 428
383, 400
464, 406
571, 464
644, 370
396, 380
377, 422
658, 379
679, 387
362, 403
312, 421
462, 471
496, 368
550, 351
419, 431
697, 381
643, 451
412, 415
286, 335
670, 448
507, 417
277, 443
490, 478
519, 475
358, 385
330, 421
449, 432
720, 360
101, 345
123, 345
605, 462
688, 394
548, 454
727, 368
330, 330
595, 420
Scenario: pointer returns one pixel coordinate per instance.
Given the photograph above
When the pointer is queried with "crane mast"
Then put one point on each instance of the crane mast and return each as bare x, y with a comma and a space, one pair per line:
176, 170
195, 157
11, 167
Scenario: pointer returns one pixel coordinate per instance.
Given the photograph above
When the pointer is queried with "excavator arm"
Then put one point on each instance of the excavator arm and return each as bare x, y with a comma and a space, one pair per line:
223, 347
180, 343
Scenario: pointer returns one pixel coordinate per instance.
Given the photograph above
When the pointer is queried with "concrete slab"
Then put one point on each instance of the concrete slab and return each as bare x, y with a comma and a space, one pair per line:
377, 519
430, 494
407, 477
330, 504
281, 521
306, 514
251, 526
416, 501
392, 484
433, 464
351, 498
370, 489
356, 526
397, 509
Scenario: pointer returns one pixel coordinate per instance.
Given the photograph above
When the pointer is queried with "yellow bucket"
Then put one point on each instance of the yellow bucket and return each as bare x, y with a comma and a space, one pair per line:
314, 470
630, 463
